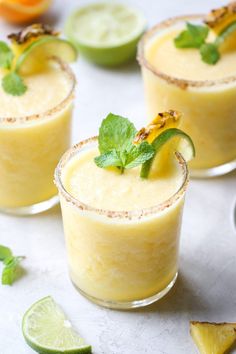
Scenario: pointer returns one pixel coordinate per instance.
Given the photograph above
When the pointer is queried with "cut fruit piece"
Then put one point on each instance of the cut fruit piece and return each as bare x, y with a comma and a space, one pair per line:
163, 121
222, 22
106, 33
225, 34
47, 330
38, 52
31, 33
21, 40
219, 19
19, 11
213, 338
178, 140
162, 131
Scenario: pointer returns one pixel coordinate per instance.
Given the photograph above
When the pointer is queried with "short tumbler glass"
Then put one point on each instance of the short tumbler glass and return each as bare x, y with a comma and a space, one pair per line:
30, 148
208, 106
121, 259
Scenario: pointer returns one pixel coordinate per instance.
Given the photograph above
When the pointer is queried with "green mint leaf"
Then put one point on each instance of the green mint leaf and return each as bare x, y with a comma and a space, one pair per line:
5, 253
6, 55
115, 133
10, 270
139, 154
210, 53
115, 140
13, 84
193, 37
110, 158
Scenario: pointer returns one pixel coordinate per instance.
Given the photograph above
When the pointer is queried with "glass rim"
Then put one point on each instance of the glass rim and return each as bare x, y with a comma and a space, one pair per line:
115, 214
52, 111
182, 83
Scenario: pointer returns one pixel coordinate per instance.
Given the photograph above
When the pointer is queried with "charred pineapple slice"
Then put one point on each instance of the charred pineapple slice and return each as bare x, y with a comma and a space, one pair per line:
163, 121
219, 19
166, 139
21, 40
35, 45
213, 338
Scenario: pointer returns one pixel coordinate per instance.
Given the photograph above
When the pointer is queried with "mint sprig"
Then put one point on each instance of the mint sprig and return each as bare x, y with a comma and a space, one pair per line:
115, 143
11, 265
12, 82
195, 37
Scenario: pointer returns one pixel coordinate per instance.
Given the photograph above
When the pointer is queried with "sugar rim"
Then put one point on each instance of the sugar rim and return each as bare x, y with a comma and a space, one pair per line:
60, 106
123, 214
182, 83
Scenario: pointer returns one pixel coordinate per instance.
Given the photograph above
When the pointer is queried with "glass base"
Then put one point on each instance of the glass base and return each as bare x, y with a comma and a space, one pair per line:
214, 171
32, 209
123, 305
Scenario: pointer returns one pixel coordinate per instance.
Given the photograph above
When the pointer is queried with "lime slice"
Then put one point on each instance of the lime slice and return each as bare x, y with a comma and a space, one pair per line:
106, 33
47, 330
34, 56
225, 33
183, 145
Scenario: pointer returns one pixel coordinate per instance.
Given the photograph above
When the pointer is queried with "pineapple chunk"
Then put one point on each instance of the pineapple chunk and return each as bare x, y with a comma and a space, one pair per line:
219, 19
213, 338
22, 40
161, 122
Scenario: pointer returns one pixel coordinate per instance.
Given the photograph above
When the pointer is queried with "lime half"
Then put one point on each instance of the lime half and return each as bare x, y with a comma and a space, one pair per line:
178, 140
47, 330
106, 33
34, 56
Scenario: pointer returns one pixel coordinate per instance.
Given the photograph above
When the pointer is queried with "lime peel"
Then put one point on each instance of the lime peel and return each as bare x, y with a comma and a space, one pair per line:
47, 330
106, 33
225, 33
168, 134
67, 51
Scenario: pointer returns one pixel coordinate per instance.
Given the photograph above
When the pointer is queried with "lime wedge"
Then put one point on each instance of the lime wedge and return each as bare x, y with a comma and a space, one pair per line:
225, 33
34, 56
47, 330
183, 144
106, 33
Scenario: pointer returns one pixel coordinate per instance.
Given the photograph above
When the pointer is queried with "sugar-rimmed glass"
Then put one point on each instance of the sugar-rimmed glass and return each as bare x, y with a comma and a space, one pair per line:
208, 106
121, 259
29, 142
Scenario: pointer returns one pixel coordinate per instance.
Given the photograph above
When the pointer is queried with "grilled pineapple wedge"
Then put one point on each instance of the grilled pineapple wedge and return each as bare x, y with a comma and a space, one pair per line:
213, 338
220, 19
163, 121
166, 139
22, 40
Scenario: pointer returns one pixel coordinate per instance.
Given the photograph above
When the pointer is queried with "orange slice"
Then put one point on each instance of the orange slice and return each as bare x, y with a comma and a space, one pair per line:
20, 11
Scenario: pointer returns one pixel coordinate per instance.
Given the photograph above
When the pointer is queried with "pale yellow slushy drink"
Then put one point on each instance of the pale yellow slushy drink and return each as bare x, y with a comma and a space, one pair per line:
34, 133
204, 93
122, 232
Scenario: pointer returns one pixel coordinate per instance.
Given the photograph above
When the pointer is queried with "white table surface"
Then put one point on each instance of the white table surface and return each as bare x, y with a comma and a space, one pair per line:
206, 287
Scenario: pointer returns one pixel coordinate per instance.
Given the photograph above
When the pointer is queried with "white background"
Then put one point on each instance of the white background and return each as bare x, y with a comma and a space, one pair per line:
206, 288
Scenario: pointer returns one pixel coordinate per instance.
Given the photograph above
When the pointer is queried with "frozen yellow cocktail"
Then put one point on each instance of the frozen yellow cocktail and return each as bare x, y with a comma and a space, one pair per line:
35, 127
122, 232
34, 133
204, 93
